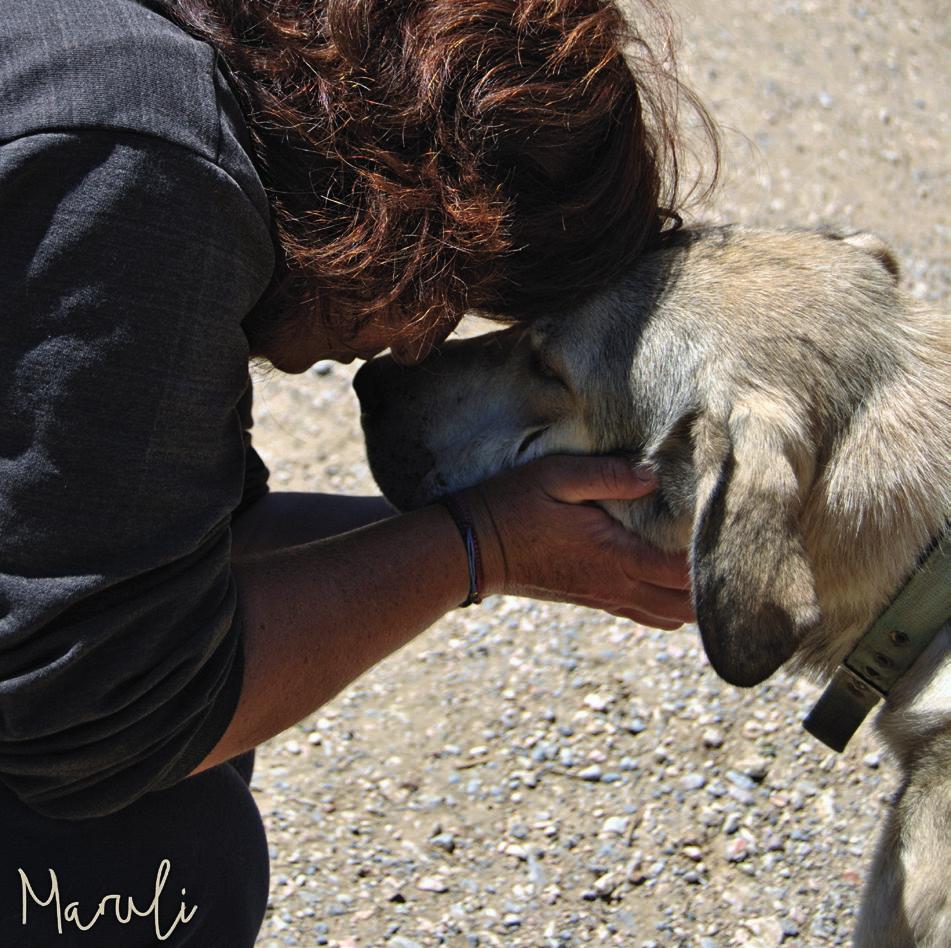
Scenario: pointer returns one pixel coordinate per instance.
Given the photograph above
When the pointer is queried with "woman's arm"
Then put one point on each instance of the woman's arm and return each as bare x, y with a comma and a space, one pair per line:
288, 518
316, 616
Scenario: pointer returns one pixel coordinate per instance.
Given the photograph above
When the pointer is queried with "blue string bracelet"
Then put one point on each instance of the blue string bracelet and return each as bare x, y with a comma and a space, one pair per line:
460, 515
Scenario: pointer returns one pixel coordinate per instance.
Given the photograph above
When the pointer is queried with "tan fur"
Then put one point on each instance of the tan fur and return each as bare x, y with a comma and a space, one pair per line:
795, 404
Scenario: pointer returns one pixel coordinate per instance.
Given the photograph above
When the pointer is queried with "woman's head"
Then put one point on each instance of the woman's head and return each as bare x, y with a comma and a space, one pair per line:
424, 157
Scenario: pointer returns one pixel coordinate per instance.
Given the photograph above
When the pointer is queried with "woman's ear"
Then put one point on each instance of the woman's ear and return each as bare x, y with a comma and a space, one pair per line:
754, 590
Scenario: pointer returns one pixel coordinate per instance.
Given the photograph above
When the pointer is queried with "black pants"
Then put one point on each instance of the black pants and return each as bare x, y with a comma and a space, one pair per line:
204, 835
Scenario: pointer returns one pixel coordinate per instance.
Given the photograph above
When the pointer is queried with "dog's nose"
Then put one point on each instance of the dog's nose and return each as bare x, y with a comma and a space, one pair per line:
365, 384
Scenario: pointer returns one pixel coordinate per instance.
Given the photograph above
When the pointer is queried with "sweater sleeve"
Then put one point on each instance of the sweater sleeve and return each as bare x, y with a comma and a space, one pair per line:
127, 264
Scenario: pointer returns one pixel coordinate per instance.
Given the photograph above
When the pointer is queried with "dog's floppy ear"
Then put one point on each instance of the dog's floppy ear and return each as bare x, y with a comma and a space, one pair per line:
753, 585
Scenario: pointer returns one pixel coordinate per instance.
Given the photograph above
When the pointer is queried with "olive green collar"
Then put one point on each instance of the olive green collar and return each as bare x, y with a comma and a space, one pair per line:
889, 648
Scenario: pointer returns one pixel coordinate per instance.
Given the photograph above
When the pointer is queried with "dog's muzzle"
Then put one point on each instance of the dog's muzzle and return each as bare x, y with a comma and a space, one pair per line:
398, 458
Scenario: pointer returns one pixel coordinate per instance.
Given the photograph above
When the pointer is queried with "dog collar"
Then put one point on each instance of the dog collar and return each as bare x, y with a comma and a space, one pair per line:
889, 648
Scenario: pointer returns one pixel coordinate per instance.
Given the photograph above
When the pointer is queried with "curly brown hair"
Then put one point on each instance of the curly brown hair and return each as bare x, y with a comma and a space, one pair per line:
425, 157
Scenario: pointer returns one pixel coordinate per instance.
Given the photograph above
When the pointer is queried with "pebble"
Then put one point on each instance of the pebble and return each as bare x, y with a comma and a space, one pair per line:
756, 768
739, 780
445, 841
592, 773
712, 737
737, 849
431, 884
599, 701
605, 885
616, 825
731, 823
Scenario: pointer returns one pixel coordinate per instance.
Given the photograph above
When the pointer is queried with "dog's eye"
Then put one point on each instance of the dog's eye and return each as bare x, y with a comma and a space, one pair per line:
531, 438
544, 368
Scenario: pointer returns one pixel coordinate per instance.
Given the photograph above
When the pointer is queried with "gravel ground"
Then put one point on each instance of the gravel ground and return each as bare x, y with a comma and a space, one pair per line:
529, 774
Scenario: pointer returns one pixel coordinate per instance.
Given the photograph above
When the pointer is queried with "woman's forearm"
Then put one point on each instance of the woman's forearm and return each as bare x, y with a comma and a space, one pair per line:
289, 518
316, 616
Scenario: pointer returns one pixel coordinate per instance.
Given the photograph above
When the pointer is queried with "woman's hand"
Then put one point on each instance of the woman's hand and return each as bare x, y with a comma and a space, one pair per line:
540, 536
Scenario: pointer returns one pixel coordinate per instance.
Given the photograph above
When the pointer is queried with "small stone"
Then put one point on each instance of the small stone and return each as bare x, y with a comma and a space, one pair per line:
536, 875
693, 781
742, 796
738, 849
789, 927
617, 825
739, 780
712, 737
605, 885
598, 701
591, 773
731, 823
872, 760
755, 767
767, 929
445, 841
432, 884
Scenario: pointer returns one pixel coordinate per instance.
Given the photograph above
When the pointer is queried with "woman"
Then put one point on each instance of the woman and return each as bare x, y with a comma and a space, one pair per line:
187, 185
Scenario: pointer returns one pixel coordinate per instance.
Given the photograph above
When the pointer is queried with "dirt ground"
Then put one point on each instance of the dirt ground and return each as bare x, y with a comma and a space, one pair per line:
529, 774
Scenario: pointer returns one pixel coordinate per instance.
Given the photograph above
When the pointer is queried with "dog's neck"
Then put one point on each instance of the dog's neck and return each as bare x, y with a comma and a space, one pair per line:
881, 499
920, 705
889, 651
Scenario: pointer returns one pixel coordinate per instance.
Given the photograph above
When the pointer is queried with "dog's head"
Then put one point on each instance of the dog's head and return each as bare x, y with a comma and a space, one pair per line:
731, 362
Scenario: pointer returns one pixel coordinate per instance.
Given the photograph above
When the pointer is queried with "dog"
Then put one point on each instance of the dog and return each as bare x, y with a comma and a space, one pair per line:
795, 406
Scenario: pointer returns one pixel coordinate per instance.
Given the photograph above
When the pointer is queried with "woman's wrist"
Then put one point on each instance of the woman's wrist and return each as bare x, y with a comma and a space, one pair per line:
493, 566
459, 511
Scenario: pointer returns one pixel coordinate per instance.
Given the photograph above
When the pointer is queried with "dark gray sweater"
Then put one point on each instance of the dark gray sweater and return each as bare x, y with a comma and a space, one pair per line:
134, 239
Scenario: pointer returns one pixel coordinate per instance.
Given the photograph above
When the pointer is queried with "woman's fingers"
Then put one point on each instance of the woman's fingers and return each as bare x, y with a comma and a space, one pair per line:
660, 603
578, 480
651, 621
634, 614
645, 563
